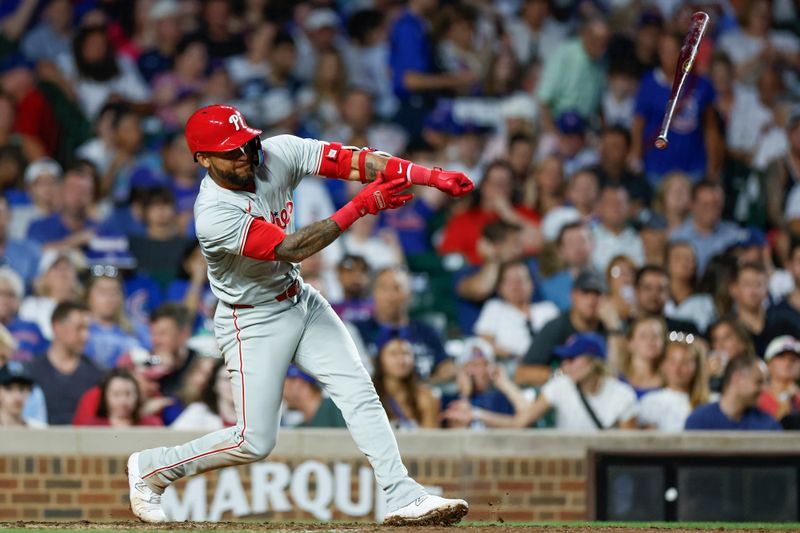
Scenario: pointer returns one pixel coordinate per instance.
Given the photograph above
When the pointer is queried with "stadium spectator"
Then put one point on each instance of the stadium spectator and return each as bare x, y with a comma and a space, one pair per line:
28, 341
216, 30
612, 168
620, 300
57, 282
391, 294
481, 385
253, 65
571, 145
52, 35
583, 192
64, 372
121, 402
191, 287
380, 249
685, 303
612, 235
72, 227
574, 250
170, 329
160, 250
111, 333
583, 317
21, 255
674, 199
536, 34
15, 390
303, 393
189, 73
197, 379
93, 71
163, 18
583, 397
742, 384
354, 277
408, 402
783, 197
214, 408
651, 286
748, 291
574, 75
685, 385
640, 358
494, 201
695, 144
781, 396
320, 101
788, 309
545, 188
42, 178
34, 119
510, 321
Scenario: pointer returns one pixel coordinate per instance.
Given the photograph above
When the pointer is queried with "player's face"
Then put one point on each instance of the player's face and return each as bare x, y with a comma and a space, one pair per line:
234, 167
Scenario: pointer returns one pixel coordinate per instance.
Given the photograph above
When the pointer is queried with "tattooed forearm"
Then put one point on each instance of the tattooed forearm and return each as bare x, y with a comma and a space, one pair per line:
307, 241
375, 162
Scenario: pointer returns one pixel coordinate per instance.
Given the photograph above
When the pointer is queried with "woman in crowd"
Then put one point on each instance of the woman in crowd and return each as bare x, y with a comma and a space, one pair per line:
685, 303
546, 187
729, 339
685, 385
320, 102
57, 282
640, 360
198, 376
111, 334
673, 199
407, 402
214, 409
510, 321
121, 402
620, 299
584, 397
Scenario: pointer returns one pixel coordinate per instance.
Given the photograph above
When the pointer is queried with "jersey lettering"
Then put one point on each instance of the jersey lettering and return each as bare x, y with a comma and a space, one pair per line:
283, 217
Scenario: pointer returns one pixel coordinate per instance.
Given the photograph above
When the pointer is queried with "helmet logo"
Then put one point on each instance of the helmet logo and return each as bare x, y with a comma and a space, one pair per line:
236, 120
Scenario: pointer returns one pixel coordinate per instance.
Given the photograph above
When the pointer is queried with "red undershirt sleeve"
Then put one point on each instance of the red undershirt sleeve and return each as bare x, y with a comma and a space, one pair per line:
260, 239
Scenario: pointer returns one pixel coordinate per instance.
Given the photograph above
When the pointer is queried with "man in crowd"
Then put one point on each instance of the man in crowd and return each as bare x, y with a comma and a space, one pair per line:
303, 393
742, 385
15, 388
574, 246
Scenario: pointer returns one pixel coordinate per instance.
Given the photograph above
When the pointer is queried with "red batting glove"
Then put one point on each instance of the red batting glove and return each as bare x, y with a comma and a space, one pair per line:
453, 183
375, 197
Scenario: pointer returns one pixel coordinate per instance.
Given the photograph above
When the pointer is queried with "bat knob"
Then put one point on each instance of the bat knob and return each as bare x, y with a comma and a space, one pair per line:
661, 142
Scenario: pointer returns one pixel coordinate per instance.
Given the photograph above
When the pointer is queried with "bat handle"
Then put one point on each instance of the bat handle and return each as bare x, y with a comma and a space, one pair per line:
661, 142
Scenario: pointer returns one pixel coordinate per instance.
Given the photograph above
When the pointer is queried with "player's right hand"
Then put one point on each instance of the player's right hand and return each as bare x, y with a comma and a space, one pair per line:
381, 194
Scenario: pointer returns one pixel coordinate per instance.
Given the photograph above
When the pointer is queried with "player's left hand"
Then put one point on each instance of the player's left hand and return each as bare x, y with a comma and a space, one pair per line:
453, 183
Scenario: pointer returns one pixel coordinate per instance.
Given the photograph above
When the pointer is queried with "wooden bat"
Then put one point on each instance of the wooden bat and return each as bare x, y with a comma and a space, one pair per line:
685, 62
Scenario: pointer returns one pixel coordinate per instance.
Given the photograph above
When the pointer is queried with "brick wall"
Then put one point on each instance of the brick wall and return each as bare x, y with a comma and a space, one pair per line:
95, 488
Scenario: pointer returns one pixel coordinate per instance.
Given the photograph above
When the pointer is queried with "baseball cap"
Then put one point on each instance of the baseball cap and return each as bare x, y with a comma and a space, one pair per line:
294, 372
321, 17
41, 167
15, 61
14, 373
571, 123
51, 257
582, 344
474, 348
556, 219
164, 9
589, 280
782, 344
750, 238
651, 220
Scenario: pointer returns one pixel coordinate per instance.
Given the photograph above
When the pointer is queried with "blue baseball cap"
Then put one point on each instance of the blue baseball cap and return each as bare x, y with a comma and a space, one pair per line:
582, 344
294, 372
13, 61
751, 237
571, 123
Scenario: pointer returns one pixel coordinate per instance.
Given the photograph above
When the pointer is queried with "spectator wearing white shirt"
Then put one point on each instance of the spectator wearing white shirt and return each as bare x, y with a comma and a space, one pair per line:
535, 34
583, 397
214, 410
510, 321
612, 235
685, 388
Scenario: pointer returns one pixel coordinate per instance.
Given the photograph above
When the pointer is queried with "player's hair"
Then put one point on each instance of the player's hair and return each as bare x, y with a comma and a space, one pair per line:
649, 269
738, 364
65, 309
119, 373
175, 312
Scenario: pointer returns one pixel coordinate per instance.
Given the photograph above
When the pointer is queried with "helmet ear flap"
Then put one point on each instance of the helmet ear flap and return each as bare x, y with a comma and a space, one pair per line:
258, 152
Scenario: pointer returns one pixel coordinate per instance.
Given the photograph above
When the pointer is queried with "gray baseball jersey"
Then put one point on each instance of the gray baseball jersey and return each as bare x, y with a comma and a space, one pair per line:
260, 336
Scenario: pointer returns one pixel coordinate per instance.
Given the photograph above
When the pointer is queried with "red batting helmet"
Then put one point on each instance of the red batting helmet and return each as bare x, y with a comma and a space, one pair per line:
217, 128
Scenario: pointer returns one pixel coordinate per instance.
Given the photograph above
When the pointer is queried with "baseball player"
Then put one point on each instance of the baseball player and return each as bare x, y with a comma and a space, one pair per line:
268, 317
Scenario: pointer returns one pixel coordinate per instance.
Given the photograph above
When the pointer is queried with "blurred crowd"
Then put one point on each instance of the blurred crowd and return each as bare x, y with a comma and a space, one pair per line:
591, 282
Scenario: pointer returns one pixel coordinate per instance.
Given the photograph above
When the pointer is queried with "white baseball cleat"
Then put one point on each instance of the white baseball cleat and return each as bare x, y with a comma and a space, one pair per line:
428, 510
145, 503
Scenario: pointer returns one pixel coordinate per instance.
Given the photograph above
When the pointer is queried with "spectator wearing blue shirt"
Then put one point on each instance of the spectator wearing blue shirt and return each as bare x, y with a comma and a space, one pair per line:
21, 255
392, 296
411, 60
71, 228
736, 409
696, 146
164, 16
574, 250
28, 339
705, 229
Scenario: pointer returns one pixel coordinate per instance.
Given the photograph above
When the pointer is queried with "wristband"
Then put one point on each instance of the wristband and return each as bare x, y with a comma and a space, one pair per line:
416, 174
345, 216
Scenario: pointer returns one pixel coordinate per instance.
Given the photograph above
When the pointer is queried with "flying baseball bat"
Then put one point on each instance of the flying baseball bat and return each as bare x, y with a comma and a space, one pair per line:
685, 62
